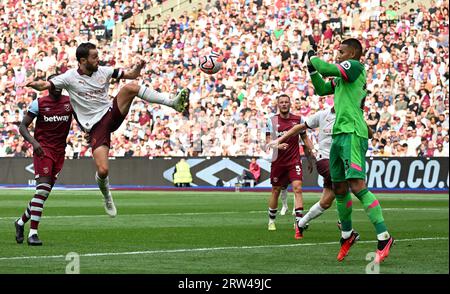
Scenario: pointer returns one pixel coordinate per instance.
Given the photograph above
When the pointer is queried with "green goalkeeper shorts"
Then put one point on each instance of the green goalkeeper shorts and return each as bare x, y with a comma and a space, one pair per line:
348, 157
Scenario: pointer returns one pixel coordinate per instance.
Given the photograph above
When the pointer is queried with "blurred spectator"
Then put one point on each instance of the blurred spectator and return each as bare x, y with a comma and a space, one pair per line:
441, 152
255, 169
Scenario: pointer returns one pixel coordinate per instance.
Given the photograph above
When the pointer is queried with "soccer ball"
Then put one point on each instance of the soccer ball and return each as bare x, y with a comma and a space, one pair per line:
210, 64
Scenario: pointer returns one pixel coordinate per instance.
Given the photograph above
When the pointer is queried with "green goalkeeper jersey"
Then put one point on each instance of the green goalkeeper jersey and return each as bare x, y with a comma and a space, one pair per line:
349, 95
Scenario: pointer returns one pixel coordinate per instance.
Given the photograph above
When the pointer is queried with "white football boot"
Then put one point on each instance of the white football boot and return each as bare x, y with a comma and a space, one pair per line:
110, 208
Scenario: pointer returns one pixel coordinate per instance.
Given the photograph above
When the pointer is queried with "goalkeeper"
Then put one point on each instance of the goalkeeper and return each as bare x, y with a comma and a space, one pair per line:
349, 145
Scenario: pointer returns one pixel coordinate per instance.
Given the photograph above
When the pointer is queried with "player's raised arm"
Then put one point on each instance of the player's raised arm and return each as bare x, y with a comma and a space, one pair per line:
349, 68
324, 68
39, 85
321, 87
134, 72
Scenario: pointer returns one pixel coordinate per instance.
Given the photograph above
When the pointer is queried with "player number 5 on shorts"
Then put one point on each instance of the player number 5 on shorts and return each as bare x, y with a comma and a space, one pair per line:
297, 169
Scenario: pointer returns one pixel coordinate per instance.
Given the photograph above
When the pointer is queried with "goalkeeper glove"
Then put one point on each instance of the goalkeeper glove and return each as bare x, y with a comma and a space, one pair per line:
311, 53
311, 68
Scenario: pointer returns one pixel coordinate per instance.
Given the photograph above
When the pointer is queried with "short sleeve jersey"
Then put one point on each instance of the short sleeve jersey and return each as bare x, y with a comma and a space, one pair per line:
277, 127
53, 120
324, 121
88, 94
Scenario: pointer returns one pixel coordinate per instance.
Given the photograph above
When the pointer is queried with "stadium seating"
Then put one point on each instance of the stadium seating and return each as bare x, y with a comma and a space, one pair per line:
264, 45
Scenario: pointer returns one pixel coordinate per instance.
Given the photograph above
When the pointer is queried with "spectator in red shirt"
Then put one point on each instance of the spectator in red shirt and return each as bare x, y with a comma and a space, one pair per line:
255, 169
144, 118
328, 33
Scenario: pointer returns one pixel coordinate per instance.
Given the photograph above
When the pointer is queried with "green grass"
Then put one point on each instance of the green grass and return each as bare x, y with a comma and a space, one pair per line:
220, 233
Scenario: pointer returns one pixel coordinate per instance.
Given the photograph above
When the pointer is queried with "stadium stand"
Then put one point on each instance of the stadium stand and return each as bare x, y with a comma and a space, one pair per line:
407, 60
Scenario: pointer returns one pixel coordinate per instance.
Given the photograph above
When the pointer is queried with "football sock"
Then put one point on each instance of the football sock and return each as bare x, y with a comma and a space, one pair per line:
25, 216
382, 244
315, 211
32, 232
373, 210
103, 185
344, 208
272, 214
298, 214
155, 97
37, 205
346, 234
383, 236
20, 222
284, 195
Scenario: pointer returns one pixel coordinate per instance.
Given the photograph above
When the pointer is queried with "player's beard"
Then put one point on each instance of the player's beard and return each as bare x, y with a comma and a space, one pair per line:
91, 67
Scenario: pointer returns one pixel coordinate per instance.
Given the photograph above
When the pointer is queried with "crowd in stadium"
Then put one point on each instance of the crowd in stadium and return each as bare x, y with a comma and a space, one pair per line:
264, 45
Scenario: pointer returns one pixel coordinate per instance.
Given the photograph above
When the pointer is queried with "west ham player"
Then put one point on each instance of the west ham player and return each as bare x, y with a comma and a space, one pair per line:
324, 120
286, 164
53, 115
349, 146
99, 116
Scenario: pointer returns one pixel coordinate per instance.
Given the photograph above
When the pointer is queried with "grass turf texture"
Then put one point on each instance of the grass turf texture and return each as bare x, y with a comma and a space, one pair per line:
220, 233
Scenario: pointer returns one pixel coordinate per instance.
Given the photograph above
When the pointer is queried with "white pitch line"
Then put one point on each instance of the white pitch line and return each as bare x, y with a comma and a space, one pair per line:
409, 208
205, 249
137, 214
212, 212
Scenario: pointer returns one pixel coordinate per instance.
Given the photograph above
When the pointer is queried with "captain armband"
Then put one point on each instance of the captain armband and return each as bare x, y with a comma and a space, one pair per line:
118, 73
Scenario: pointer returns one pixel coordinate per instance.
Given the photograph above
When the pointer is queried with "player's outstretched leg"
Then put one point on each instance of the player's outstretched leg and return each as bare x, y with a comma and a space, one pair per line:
318, 208
374, 212
180, 102
315, 211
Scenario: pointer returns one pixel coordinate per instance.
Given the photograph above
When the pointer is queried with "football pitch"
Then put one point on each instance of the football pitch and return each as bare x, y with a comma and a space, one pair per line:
216, 233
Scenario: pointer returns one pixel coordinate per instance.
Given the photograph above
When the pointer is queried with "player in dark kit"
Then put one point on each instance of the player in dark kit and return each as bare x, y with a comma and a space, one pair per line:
53, 115
286, 163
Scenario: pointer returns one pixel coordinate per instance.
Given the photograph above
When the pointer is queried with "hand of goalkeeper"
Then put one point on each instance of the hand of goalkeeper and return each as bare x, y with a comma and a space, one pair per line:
311, 52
